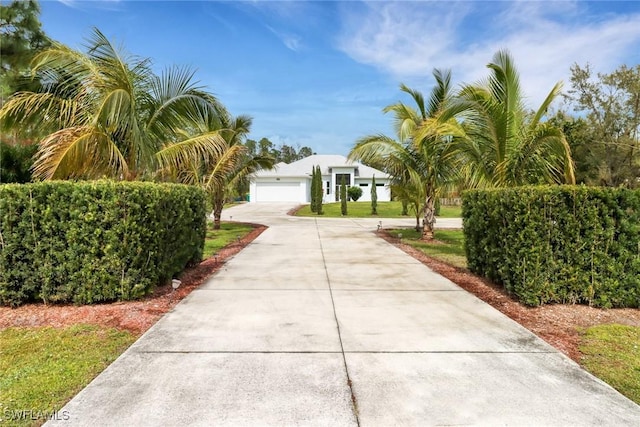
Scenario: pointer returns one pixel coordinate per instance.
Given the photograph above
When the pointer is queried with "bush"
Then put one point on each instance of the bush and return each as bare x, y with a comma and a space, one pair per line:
95, 241
319, 191
343, 197
374, 197
354, 193
314, 190
557, 244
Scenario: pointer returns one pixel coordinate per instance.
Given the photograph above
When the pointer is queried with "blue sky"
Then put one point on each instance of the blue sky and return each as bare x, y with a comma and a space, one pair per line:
318, 73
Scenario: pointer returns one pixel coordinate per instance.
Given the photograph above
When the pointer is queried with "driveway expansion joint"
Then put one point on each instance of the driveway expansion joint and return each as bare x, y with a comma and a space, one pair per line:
354, 401
448, 352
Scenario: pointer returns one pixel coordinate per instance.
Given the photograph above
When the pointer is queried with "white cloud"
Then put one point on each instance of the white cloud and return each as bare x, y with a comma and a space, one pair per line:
70, 3
400, 38
99, 4
291, 41
408, 40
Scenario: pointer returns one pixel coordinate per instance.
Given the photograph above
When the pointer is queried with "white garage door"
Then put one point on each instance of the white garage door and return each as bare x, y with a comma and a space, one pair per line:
278, 192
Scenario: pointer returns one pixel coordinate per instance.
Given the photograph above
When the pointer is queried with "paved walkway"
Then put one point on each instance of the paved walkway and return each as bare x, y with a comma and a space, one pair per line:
319, 322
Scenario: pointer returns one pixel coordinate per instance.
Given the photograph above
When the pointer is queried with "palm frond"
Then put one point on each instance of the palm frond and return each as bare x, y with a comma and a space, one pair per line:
201, 147
78, 152
224, 169
418, 98
544, 107
440, 93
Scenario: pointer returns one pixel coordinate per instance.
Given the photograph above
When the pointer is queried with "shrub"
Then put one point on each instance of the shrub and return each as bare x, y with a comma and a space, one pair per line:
319, 191
557, 244
354, 193
374, 197
314, 191
343, 197
95, 241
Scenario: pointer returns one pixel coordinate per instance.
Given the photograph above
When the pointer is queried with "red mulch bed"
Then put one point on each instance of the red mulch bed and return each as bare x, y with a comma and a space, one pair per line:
557, 324
294, 211
134, 316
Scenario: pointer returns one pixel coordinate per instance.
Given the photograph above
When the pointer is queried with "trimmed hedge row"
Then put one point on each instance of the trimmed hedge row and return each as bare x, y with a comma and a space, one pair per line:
95, 241
557, 244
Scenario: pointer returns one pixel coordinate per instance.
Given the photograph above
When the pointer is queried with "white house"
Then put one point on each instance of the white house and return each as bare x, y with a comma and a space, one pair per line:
292, 182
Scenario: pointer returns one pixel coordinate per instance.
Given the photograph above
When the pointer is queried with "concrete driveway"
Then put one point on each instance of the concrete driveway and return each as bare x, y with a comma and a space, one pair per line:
319, 322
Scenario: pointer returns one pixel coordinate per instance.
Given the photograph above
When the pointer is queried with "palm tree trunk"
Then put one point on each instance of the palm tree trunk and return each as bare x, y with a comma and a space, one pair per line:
218, 204
429, 219
418, 212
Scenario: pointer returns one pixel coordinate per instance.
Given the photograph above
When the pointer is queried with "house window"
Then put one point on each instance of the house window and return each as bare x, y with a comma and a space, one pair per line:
328, 186
364, 184
347, 182
379, 185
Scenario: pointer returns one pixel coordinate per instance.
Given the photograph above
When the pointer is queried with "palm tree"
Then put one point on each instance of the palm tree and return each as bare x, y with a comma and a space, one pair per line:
410, 190
424, 156
219, 172
107, 115
505, 144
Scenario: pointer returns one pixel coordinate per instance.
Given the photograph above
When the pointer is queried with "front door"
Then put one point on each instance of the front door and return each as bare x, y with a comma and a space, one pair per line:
347, 182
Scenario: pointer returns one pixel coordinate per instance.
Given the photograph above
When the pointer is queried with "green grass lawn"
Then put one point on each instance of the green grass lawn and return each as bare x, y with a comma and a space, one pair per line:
450, 212
612, 353
449, 249
218, 239
385, 210
42, 368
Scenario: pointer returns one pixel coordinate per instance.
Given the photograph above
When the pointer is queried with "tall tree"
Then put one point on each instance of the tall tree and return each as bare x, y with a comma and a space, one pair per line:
505, 143
304, 152
267, 149
108, 115
287, 154
586, 151
609, 134
252, 146
22, 37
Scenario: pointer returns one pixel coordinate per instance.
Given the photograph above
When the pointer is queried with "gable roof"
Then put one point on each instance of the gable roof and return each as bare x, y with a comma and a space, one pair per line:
303, 167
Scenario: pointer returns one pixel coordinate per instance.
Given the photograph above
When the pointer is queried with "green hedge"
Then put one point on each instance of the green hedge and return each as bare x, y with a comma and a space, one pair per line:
557, 244
95, 241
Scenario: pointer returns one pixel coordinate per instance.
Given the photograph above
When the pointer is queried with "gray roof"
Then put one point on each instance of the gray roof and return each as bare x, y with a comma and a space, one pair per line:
303, 167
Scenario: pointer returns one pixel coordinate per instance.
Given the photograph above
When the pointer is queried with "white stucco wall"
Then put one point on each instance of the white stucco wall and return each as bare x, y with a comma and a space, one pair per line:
382, 189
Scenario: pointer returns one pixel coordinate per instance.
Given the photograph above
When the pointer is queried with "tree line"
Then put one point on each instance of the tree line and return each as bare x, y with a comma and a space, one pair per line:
282, 153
